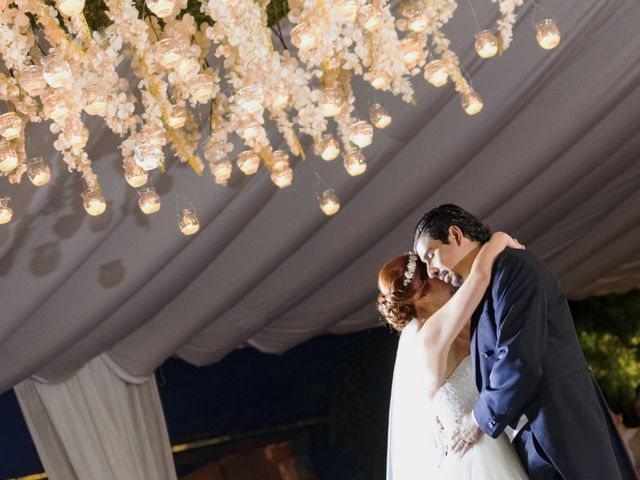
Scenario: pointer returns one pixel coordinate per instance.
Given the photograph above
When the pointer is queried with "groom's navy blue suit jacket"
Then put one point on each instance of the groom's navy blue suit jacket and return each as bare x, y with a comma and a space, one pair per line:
528, 361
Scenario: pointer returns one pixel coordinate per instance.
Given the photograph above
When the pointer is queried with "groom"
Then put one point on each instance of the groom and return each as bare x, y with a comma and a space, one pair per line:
533, 379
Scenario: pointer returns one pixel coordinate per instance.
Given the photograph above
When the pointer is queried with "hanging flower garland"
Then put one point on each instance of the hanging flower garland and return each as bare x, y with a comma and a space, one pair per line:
63, 65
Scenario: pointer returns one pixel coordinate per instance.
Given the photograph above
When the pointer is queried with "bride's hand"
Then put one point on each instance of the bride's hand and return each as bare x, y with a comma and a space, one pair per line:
497, 244
502, 240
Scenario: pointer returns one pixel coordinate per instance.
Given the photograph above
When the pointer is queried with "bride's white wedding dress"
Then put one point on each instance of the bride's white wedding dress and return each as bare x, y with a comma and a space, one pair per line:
489, 459
417, 445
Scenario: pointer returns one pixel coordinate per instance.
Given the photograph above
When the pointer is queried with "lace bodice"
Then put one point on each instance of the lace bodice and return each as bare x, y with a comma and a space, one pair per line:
456, 396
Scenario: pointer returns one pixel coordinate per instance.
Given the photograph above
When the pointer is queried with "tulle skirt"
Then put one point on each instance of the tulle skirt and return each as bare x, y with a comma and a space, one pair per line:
489, 459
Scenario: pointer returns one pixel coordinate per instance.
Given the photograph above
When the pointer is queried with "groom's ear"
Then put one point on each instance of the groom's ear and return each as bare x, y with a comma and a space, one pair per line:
455, 235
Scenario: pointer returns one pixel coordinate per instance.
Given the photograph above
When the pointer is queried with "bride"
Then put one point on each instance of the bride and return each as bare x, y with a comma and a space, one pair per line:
433, 379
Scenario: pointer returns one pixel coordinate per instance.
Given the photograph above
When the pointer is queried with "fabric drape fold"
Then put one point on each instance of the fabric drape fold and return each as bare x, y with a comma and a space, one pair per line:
98, 426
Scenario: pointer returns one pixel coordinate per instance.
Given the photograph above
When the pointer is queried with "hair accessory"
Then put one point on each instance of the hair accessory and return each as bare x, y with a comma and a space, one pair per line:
411, 269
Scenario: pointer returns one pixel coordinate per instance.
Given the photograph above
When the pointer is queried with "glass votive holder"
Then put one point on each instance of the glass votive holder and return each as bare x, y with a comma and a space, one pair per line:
486, 44
380, 116
361, 133
282, 177
31, 80
547, 34
55, 105
248, 162
436, 73
8, 157
354, 163
329, 203
327, 147
188, 221
148, 200
93, 202
55, 70
161, 8
6, 213
10, 125
38, 171
167, 52
331, 102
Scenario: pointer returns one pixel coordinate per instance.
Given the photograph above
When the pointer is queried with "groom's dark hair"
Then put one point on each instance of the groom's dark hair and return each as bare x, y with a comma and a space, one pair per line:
436, 222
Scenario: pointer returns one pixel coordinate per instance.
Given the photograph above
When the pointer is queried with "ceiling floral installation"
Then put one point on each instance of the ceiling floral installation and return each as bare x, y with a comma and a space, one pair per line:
62, 63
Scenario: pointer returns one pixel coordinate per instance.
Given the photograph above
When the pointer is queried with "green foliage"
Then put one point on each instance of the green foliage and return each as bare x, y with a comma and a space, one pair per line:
609, 331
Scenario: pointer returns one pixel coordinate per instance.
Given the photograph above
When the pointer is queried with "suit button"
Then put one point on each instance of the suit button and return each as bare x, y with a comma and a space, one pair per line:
484, 354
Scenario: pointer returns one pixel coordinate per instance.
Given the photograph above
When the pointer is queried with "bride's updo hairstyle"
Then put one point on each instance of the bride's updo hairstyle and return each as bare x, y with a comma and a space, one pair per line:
399, 289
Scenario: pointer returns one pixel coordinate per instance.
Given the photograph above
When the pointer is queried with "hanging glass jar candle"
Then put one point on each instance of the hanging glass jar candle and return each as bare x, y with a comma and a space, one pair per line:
472, 103
161, 8
10, 125
282, 177
411, 51
32, 81
188, 221
280, 159
547, 34
70, 7
435, 72
38, 171
148, 200
380, 116
327, 147
329, 203
346, 9
8, 157
415, 13
370, 17
486, 44
94, 99
303, 36
379, 79
361, 133
250, 98
250, 130
280, 98
6, 213
55, 106
153, 134
354, 163
248, 162
77, 134
135, 175
176, 116
93, 202
202, 88
168, 52
331, 102
213, 150
221, 170
55, 70
187, 67
147, 157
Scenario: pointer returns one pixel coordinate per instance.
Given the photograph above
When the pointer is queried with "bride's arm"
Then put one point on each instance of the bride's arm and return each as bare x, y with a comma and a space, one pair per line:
444, 325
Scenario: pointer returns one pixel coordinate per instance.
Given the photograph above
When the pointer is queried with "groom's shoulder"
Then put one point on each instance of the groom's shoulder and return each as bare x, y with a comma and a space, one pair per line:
512, 258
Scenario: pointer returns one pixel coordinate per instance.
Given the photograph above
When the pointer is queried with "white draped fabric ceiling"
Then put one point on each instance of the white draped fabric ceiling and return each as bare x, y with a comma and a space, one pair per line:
552, 158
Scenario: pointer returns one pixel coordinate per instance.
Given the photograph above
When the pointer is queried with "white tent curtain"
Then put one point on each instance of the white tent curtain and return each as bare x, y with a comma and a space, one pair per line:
98, 425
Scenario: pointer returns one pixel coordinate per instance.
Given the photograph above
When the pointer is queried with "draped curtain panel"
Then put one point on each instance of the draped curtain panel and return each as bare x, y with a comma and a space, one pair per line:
97, 425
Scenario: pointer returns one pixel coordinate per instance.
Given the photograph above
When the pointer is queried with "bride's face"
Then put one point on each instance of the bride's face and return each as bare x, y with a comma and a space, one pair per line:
438, 294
